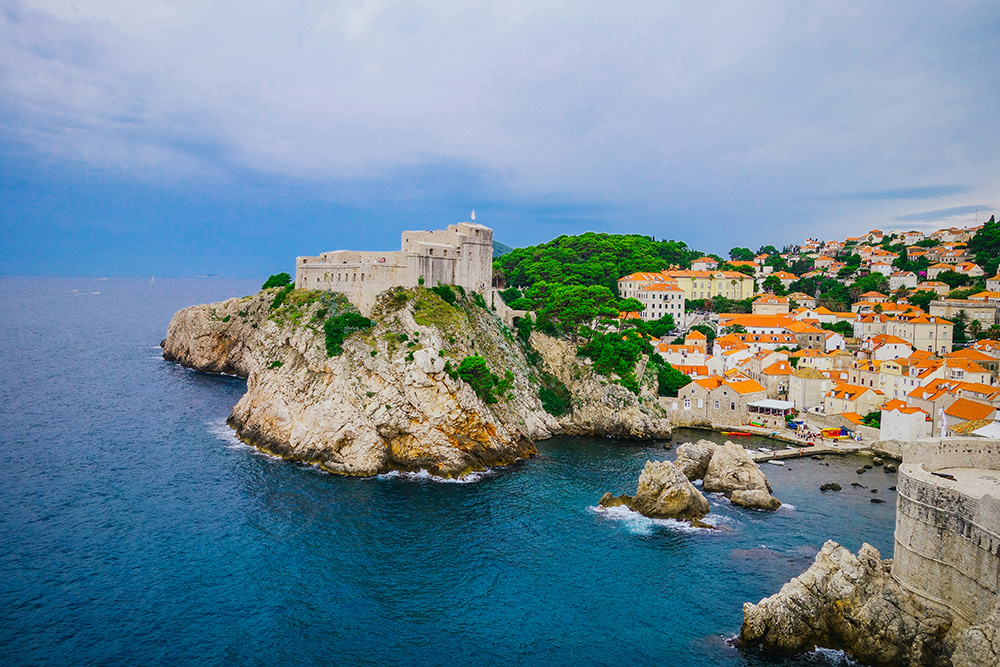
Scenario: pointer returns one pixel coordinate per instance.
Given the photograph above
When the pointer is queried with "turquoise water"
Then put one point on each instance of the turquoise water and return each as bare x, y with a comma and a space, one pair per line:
137, 530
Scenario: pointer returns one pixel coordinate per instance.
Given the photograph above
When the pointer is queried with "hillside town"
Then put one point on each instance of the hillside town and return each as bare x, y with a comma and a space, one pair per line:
915, 356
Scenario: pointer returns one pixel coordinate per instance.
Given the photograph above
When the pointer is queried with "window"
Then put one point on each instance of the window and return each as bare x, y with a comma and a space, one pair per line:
716, 405
732, 406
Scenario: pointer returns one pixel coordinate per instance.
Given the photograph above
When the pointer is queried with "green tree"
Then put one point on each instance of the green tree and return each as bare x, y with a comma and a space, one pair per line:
843, 328
669, 380
630, 306
975, 328
659, 328
873, 419
953, 279
985, 246
922, 299
741, 254
474, 371
277, 280
873, 282
961, 321
339, 327
571, 306
774, 285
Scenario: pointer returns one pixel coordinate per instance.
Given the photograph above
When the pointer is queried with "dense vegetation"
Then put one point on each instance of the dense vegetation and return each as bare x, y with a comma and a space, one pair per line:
476, 373
985, 246
591, 259
277, 280
339, 327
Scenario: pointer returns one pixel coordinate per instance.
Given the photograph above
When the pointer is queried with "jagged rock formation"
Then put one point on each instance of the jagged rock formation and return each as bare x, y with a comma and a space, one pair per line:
732, 469
979, 645
664, 492
388, 401
693, 458
851, 603
757, 499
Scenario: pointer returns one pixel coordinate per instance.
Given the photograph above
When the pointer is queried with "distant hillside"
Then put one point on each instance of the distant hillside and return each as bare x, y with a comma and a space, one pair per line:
499, 249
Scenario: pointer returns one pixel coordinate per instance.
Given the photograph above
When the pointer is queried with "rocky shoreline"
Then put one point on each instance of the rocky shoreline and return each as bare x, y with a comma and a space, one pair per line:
391, 400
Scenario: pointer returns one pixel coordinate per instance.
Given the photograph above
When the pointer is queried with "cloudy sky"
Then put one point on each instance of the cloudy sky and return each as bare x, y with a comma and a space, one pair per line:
185, 137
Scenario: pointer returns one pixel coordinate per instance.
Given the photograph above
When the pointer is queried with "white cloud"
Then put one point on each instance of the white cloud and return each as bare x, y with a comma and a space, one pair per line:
659, 103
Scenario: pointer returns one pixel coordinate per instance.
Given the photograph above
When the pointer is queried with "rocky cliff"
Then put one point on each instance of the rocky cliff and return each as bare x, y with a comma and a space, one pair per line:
392, 400
852, 603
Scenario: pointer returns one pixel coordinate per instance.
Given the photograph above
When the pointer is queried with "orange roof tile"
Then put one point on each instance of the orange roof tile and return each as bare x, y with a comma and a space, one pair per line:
745, 386
968, 410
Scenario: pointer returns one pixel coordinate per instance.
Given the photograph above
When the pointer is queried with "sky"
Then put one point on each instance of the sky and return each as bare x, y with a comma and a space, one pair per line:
176, 138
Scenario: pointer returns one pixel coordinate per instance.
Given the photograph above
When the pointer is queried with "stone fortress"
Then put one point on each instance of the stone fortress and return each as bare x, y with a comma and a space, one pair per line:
947, 540
460, 255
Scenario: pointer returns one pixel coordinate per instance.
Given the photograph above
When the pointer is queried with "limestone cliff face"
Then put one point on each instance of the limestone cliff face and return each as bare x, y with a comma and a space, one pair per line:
387, 402
852, 603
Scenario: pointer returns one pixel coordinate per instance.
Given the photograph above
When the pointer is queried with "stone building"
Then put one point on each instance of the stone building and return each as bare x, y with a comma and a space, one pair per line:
947, 536
460, 255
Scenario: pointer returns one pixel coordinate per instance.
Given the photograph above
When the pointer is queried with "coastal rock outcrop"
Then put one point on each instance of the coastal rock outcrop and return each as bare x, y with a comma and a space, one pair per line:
732, 469
757, 499
979, 645
393, 399
664, 492
693, 458
851, 603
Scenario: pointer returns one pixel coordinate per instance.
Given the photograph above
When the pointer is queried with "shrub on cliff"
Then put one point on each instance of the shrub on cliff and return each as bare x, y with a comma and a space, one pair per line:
280, 297
446, 293
339, 328
474, 370
554, 395
277, 280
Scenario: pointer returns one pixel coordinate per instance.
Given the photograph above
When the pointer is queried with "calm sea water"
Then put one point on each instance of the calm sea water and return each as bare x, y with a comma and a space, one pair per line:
136, 529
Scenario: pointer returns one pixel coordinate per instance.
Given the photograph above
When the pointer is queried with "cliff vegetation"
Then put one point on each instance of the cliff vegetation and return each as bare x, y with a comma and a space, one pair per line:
432, 381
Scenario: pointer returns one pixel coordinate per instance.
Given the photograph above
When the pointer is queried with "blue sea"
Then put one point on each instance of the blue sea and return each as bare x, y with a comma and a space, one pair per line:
136, 530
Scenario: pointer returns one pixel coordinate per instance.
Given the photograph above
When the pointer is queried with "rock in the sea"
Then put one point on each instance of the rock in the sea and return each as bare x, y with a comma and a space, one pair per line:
861, 470
850, 603
889, 467
830, 486
732, 469
693, 458
664, 492
755, 499
877, 461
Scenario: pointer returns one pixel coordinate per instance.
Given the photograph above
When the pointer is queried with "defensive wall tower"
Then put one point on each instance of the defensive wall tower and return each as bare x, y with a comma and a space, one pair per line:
947, 539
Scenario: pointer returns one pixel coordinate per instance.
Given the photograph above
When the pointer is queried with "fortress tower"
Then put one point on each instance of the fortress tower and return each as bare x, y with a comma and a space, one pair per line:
460, 255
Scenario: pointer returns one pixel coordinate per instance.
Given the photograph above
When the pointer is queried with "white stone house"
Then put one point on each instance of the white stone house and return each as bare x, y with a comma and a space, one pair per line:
902, 422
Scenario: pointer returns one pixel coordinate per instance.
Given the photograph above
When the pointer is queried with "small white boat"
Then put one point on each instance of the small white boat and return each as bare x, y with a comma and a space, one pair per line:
776, 462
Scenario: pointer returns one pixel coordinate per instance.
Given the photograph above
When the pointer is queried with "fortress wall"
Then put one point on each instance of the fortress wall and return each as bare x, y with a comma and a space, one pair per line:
936, 453
947, 539
460, 255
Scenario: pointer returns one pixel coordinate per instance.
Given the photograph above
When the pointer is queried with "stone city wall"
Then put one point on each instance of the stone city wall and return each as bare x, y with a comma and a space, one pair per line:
947, 540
